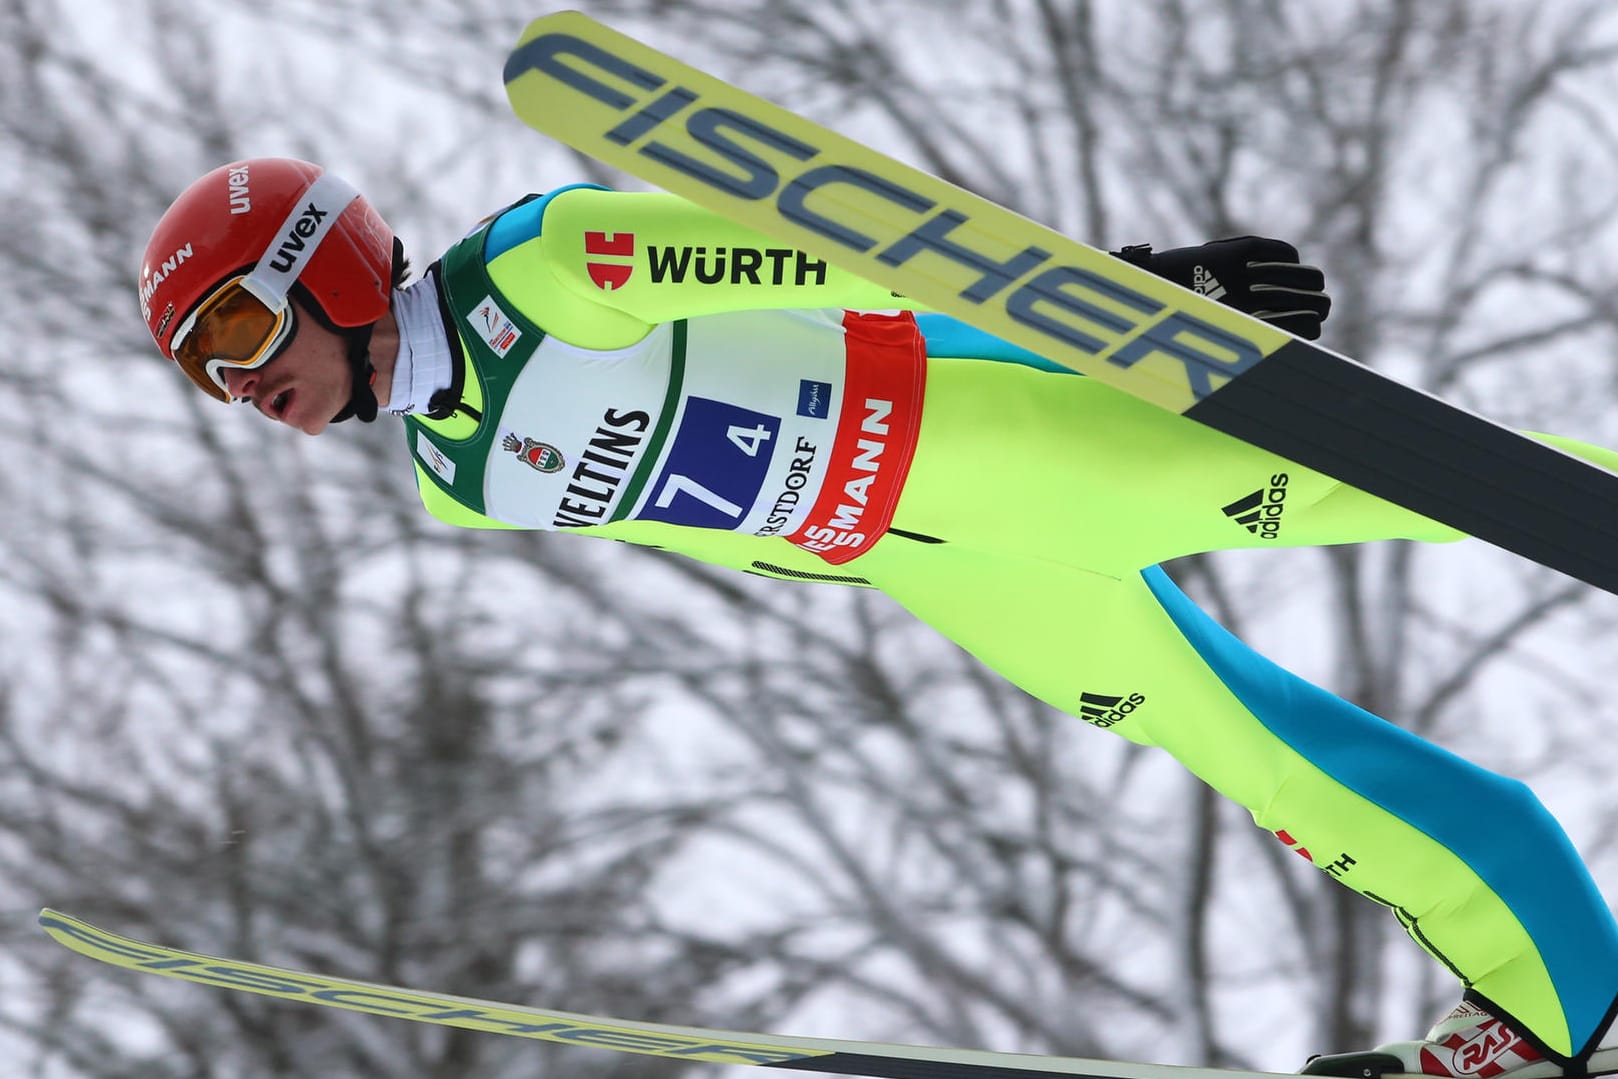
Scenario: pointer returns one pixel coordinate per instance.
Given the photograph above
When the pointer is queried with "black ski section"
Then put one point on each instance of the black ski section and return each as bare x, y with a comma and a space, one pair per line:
1409, 447
882, 1067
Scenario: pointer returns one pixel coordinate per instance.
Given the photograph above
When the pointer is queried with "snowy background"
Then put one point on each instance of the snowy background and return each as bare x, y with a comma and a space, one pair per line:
254, 701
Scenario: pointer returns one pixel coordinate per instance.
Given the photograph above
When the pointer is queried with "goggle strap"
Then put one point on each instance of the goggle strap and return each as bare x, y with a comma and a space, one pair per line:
263, 293
300, 235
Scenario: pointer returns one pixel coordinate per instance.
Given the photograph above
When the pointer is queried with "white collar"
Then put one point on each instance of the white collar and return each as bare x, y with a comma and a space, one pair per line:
423, 366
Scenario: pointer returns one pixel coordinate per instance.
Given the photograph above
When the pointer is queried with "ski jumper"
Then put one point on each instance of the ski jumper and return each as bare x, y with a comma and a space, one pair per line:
637, 368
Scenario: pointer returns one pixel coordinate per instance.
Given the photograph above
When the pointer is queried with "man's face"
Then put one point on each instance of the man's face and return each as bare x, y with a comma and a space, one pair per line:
306, 384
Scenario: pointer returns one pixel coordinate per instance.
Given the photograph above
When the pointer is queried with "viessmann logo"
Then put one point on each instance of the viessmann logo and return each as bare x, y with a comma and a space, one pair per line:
744, 157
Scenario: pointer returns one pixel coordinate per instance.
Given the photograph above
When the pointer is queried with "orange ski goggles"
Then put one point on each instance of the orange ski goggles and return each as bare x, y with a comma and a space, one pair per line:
233, 328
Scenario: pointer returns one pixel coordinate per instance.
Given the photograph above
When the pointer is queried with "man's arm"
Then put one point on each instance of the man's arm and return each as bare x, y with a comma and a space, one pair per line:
601, 267
605, 265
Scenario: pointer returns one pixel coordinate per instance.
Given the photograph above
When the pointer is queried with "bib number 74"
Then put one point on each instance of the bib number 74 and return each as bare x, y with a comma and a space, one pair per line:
716, 466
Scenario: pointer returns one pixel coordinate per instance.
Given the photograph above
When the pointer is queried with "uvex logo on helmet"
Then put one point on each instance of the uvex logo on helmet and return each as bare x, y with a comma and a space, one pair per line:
295, 241
241, 200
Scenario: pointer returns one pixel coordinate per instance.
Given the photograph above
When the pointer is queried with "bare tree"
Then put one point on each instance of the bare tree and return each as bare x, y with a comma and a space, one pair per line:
256, 702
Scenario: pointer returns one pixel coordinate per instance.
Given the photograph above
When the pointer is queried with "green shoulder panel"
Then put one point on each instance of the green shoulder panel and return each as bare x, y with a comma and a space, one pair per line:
496, 339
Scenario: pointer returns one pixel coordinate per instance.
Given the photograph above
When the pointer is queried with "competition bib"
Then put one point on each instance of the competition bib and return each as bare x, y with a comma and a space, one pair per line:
799, 424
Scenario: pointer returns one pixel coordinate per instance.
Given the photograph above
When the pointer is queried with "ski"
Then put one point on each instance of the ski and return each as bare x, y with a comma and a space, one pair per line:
619, 1035
641, 111
882, 1060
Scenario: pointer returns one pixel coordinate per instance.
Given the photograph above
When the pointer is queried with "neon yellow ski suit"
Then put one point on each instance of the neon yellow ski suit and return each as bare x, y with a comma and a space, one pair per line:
641, 357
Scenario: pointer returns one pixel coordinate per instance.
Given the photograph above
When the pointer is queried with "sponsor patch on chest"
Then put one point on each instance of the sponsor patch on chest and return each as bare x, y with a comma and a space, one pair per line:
434, 458
493, 326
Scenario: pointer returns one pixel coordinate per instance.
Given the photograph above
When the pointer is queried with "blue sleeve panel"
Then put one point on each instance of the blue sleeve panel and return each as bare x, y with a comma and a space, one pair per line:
950, 338
523, 222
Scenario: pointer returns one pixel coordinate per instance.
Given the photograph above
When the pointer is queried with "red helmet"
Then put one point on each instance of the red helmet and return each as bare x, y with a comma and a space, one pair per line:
273, 223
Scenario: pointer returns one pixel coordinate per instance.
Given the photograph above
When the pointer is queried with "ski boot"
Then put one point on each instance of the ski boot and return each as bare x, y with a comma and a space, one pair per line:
1468, 1043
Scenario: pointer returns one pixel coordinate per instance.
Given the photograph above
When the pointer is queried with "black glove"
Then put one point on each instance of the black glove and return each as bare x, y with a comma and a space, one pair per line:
1250, 273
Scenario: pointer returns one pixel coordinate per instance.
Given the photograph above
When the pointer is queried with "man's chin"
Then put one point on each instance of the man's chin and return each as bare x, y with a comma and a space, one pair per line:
313, 426
313, 423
